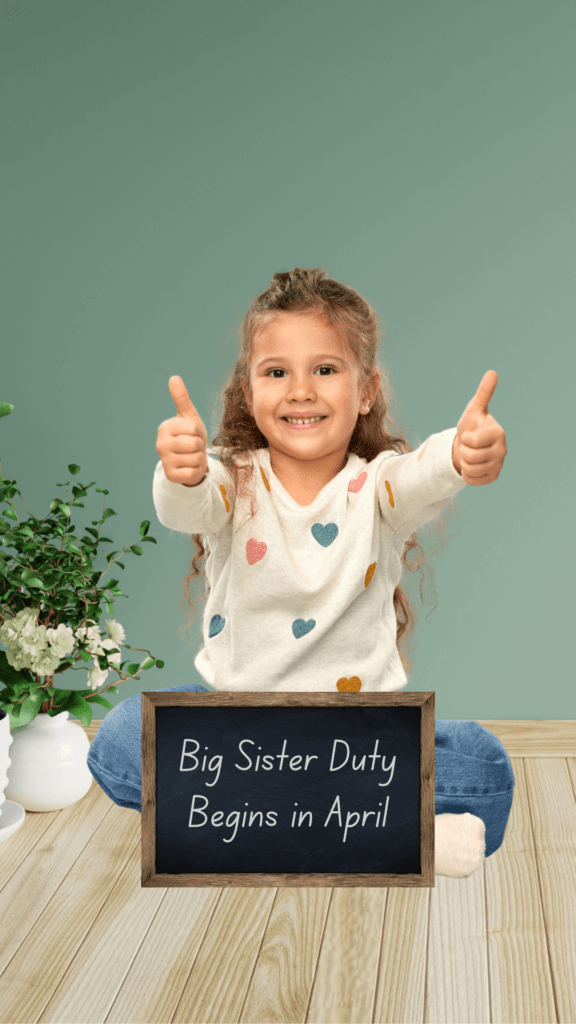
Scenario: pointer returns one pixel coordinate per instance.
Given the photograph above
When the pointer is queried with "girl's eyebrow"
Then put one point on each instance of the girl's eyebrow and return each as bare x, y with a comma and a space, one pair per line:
316, 359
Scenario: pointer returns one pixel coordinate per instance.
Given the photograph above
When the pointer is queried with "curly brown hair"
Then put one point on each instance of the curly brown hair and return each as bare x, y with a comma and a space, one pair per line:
309, 291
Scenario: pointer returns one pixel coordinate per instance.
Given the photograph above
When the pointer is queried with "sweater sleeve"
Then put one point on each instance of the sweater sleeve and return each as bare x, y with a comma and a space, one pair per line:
413, 488
206, 508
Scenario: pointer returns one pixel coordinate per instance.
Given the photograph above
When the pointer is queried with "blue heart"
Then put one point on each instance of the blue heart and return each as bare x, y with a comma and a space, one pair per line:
216, 625
325, 534
300, 628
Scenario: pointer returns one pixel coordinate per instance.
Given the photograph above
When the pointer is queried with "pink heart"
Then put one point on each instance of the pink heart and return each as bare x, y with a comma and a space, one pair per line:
357, 484
255, 551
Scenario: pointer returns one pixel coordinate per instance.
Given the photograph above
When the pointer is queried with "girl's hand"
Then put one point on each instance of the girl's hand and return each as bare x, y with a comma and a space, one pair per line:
479, 447
181, 442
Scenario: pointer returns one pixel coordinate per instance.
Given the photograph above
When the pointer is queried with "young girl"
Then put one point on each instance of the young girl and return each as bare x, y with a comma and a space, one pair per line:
308, 509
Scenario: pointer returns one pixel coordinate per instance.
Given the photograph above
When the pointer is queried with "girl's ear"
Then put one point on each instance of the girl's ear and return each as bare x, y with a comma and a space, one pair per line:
371, 388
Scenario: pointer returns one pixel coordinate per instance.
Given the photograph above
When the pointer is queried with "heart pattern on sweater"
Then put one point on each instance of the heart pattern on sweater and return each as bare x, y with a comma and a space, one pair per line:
357, 484
255, 550
216, 625
300, 628
225, 497
369, 573
325, 535
351, 685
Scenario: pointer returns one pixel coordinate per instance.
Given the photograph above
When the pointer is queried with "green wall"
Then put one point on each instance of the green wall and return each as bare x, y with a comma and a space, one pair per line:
160, 161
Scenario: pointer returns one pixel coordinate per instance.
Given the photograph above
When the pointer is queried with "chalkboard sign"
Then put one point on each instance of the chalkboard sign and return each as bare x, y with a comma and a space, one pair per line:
287, 789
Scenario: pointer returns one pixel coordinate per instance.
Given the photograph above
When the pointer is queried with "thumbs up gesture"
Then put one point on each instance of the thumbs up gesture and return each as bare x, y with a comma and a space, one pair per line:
181, 442
479, 447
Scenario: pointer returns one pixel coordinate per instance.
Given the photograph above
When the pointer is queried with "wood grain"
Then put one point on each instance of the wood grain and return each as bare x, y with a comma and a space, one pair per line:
81, 940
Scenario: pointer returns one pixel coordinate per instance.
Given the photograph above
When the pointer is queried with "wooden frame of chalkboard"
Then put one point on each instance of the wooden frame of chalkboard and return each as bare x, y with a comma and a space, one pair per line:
174, 855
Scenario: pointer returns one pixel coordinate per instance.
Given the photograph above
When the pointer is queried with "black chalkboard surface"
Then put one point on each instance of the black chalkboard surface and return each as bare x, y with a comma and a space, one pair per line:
287, 789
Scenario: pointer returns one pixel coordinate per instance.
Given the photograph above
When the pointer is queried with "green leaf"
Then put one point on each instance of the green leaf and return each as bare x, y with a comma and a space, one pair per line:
132, 669
30, 579
136, 549
150, 540
144, 527
110, 607
21, 714
159, 664
10, 514
61, 696
148, 663
5, 408
26, 531
108, 512
11, 675
80, 708
113, 689
73, 468
97, 698
85, 656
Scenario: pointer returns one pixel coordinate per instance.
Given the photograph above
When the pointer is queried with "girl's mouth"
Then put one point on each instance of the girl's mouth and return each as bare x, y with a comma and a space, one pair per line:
304, 426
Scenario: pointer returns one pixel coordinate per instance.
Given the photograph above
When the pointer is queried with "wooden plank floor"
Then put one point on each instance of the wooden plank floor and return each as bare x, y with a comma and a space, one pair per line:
82, 941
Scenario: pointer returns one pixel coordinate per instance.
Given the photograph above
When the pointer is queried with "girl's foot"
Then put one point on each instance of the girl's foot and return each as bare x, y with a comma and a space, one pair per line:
460, 844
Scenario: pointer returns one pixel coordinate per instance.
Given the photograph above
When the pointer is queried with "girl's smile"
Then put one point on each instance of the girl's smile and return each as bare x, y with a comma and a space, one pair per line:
302, 425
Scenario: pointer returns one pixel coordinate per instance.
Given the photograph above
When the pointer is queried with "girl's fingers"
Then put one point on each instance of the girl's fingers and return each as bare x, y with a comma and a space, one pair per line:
476, 456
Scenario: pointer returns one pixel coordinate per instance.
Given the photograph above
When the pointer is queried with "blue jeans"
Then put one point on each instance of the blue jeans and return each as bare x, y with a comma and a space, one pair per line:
473, 771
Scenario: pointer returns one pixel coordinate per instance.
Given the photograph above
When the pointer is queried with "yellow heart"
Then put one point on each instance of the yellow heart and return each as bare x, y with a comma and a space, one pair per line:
351, 685
369, 573
225, 496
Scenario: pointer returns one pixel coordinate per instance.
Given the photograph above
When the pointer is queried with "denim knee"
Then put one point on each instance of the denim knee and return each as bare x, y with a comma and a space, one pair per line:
473, 774
115, 756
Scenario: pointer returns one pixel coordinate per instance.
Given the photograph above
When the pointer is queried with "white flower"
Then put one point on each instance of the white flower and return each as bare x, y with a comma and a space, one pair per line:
18, 657
33, 638
96, 677
45, 663
10, 631
116, 631
61, 639
110, 645
13, 626
27, 615
92, 636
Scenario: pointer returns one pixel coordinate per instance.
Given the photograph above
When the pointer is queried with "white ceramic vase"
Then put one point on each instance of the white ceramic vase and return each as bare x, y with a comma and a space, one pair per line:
48, 766
5, 741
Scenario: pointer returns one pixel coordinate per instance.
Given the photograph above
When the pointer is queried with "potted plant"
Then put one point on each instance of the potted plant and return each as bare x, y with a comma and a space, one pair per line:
50, 606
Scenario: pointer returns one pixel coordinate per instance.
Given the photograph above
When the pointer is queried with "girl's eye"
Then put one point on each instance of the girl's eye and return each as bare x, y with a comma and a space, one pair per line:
277, 368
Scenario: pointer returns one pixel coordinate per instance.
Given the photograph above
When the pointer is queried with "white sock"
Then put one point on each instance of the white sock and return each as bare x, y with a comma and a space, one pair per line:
460, 844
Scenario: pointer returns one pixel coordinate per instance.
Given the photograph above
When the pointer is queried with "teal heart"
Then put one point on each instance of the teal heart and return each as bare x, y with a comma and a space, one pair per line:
325, 534
300, 628
216, 625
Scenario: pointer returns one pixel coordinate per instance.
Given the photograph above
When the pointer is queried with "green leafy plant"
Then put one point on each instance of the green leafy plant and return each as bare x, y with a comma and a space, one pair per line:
50, 601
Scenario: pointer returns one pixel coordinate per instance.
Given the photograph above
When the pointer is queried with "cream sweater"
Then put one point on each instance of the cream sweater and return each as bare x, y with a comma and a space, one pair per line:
301, 597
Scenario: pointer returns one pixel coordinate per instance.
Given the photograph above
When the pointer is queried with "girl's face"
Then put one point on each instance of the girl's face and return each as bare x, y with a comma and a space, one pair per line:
300, 367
